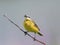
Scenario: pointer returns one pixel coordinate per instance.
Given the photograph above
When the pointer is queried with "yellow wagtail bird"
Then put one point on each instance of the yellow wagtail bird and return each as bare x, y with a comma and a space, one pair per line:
31, 26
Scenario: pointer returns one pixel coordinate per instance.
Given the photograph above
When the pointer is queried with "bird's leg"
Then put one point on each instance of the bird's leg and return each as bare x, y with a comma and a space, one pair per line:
25, 32
34, 36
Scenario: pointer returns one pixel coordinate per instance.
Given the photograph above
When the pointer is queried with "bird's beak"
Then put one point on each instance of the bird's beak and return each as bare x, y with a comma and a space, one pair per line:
25, 15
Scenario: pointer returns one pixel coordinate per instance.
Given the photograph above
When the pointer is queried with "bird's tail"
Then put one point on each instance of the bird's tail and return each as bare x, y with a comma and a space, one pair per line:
40, 34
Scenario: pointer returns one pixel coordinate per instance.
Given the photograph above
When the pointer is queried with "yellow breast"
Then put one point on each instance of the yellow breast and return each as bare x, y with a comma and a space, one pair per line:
29, 26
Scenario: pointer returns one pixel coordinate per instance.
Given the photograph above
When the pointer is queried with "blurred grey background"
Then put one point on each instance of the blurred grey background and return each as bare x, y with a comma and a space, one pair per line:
46, 14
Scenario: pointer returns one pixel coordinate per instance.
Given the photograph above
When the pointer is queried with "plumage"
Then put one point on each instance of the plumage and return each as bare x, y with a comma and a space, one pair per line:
31, 26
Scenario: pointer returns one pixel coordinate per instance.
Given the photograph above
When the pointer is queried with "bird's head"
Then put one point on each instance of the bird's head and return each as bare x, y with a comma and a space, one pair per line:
27, 18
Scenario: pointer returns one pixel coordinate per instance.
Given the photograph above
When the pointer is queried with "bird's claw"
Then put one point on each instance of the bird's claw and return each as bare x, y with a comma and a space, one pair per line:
25, 33
34, 39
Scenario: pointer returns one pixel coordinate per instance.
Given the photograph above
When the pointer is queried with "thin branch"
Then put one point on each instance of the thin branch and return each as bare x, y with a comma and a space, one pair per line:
24, 31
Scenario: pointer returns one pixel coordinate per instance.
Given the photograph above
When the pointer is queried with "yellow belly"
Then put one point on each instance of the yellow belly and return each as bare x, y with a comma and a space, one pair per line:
30, 27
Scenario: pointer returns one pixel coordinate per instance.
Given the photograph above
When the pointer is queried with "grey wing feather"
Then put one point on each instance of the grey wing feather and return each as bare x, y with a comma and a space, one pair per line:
35, 25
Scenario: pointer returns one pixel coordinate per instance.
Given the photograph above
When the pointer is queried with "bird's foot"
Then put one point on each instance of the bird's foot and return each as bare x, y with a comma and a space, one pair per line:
25, 33
34, 38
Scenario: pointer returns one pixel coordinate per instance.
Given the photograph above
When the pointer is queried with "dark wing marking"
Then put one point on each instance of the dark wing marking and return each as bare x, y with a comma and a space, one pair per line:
35, 25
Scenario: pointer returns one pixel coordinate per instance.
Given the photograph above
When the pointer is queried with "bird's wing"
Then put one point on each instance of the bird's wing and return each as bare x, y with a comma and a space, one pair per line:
35, 25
